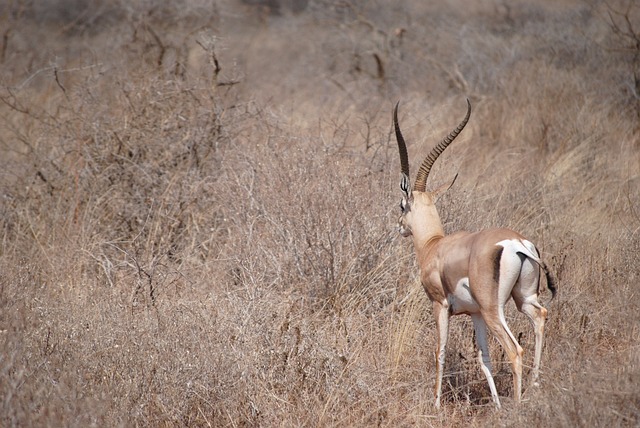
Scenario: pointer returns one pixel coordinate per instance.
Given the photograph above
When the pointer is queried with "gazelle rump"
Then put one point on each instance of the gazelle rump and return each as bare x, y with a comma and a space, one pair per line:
471, 273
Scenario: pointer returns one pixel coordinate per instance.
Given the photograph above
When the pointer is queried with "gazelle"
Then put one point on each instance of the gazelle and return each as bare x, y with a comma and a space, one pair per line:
471, 273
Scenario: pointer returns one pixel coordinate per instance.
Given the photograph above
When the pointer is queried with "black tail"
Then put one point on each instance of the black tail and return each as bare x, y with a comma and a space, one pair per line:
551, 280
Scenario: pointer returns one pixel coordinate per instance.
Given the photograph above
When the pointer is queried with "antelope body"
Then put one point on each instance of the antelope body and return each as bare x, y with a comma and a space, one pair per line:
472, 273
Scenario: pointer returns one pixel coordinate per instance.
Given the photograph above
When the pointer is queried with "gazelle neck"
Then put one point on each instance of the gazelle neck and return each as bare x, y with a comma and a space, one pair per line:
426, 225
424, 241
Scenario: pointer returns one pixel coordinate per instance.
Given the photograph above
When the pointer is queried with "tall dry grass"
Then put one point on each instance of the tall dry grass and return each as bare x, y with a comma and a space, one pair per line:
198, 208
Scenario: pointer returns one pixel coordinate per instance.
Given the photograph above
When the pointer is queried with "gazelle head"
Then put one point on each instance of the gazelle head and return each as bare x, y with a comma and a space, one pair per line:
418, 212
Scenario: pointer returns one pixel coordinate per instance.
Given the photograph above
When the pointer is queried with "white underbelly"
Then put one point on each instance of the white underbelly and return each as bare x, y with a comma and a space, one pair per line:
460, 300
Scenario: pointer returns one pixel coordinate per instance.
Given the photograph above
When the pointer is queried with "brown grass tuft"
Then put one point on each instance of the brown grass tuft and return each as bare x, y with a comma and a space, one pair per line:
198, 206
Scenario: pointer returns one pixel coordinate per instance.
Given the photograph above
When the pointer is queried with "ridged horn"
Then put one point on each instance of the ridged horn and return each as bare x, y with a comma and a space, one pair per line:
402, 147
423, 173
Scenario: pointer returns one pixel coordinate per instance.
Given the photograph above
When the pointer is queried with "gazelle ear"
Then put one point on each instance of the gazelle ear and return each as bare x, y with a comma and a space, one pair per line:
405, 185
443, 188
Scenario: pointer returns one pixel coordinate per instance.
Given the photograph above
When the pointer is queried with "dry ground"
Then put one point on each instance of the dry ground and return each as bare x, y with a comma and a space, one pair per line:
198, 204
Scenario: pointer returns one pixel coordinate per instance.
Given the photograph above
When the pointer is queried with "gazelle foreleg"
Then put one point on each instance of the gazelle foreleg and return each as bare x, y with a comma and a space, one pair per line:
484, 358
441, 314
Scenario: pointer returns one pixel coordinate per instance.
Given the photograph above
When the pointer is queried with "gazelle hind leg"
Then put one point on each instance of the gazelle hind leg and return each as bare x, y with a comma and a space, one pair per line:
483, 355
538, 315
510, 267
525, 296
499, 328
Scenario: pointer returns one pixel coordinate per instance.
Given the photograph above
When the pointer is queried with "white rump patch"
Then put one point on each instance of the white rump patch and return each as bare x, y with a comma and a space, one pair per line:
521, 246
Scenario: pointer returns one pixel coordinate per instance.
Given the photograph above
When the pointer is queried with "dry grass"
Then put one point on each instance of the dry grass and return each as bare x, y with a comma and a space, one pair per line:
198, 207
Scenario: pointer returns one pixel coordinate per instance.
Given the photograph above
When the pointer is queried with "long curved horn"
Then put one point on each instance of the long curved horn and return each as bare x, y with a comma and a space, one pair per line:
423, 173
402, 147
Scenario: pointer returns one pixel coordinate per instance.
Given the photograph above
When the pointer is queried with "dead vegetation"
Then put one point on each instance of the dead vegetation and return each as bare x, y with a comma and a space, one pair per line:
198, 208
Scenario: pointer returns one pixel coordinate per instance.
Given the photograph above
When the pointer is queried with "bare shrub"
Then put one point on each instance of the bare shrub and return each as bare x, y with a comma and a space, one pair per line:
198, 207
